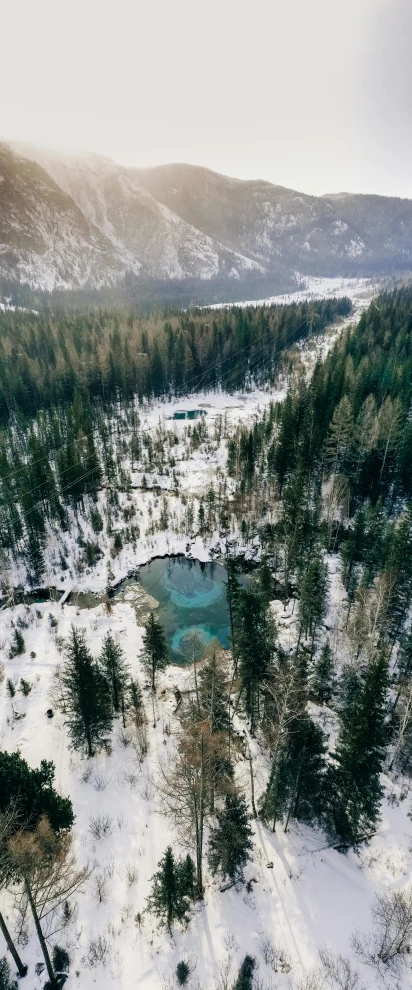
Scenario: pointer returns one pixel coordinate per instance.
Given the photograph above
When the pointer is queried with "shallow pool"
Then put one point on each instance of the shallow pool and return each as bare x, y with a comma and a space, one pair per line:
192, 600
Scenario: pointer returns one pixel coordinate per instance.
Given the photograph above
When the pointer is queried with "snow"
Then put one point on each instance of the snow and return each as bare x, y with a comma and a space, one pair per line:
359, 290
311, 896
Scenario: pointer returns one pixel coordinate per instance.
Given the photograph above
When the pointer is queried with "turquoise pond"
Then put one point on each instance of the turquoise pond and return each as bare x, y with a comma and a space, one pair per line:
192, 600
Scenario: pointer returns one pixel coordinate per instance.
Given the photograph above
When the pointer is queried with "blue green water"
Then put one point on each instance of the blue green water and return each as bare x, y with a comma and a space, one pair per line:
192, 600
188, 413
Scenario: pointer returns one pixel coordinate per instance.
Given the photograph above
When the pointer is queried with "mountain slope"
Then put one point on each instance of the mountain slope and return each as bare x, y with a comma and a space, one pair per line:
68, 222
144, 235
327, 235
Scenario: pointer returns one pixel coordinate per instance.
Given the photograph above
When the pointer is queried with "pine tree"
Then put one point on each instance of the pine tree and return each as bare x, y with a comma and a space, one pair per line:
34, 560
255, 637
322, 686
230, 840
352, 785
115, 670
340, 438
18, 645
172, 890
34, 792
296, 782
244, 979
86, 696
6, 980
313, 598
155, 656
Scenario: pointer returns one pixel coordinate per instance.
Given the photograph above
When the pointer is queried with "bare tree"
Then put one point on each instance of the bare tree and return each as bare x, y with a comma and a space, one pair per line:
44, 865
338, 972
391, 939
9, 822
188, 783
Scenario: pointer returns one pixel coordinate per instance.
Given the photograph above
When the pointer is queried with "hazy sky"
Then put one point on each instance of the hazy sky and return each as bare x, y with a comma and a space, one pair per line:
313, 94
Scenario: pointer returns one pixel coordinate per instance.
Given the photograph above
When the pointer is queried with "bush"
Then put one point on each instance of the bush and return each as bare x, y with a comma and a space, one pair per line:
25, 687
61, 960
182, 973
11, 687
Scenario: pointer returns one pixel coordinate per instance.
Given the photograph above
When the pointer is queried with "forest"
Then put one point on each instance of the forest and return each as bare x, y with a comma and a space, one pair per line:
293, 743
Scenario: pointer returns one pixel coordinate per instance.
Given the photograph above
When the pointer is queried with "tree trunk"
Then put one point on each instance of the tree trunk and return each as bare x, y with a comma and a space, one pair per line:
21, 968
89, 743
40, 935
252, 784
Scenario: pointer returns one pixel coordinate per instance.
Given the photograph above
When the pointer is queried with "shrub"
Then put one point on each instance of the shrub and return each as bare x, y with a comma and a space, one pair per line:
182, 973
61, 959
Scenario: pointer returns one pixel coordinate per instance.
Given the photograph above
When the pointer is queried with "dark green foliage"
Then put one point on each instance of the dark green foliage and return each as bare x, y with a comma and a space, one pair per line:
87, 696
182, 973
25, 687
116, 671
61, 959
155, 656
323, 680
6, 980
17, 646
96, 520
245, 976
295, 788
352, 786
92, 553
230, 840
33, 792
11, 687
172, 890
34, 559
255, 637
313, 597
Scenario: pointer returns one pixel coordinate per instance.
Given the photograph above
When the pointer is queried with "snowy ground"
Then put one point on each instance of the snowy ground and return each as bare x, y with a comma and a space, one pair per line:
356, 289
310, 897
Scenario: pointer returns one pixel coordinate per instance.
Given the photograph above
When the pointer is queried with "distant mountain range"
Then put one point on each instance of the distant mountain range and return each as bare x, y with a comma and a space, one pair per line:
88, 223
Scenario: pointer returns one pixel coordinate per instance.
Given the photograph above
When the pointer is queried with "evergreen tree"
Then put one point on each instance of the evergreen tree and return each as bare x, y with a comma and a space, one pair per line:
230, 840
115, 670
322, 686
172, 890
86, 696
296, 781
17, 646
244, 979
33, 792
34, 560
313, 598
255, 637
155, 655
6, 979
352, 785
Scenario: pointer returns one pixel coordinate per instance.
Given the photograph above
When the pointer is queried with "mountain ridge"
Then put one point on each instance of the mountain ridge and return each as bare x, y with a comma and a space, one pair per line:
70, 222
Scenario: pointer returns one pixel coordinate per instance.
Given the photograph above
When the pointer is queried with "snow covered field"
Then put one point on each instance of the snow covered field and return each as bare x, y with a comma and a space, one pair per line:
357, 289
302, 895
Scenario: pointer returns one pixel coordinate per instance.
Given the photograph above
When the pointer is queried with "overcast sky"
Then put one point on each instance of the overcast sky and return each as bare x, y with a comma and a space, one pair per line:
312, 94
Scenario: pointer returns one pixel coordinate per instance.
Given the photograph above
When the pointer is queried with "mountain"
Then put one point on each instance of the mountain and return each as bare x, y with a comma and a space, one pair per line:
88, 223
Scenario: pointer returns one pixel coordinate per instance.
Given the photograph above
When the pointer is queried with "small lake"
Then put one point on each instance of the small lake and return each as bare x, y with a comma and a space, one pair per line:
193, 608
